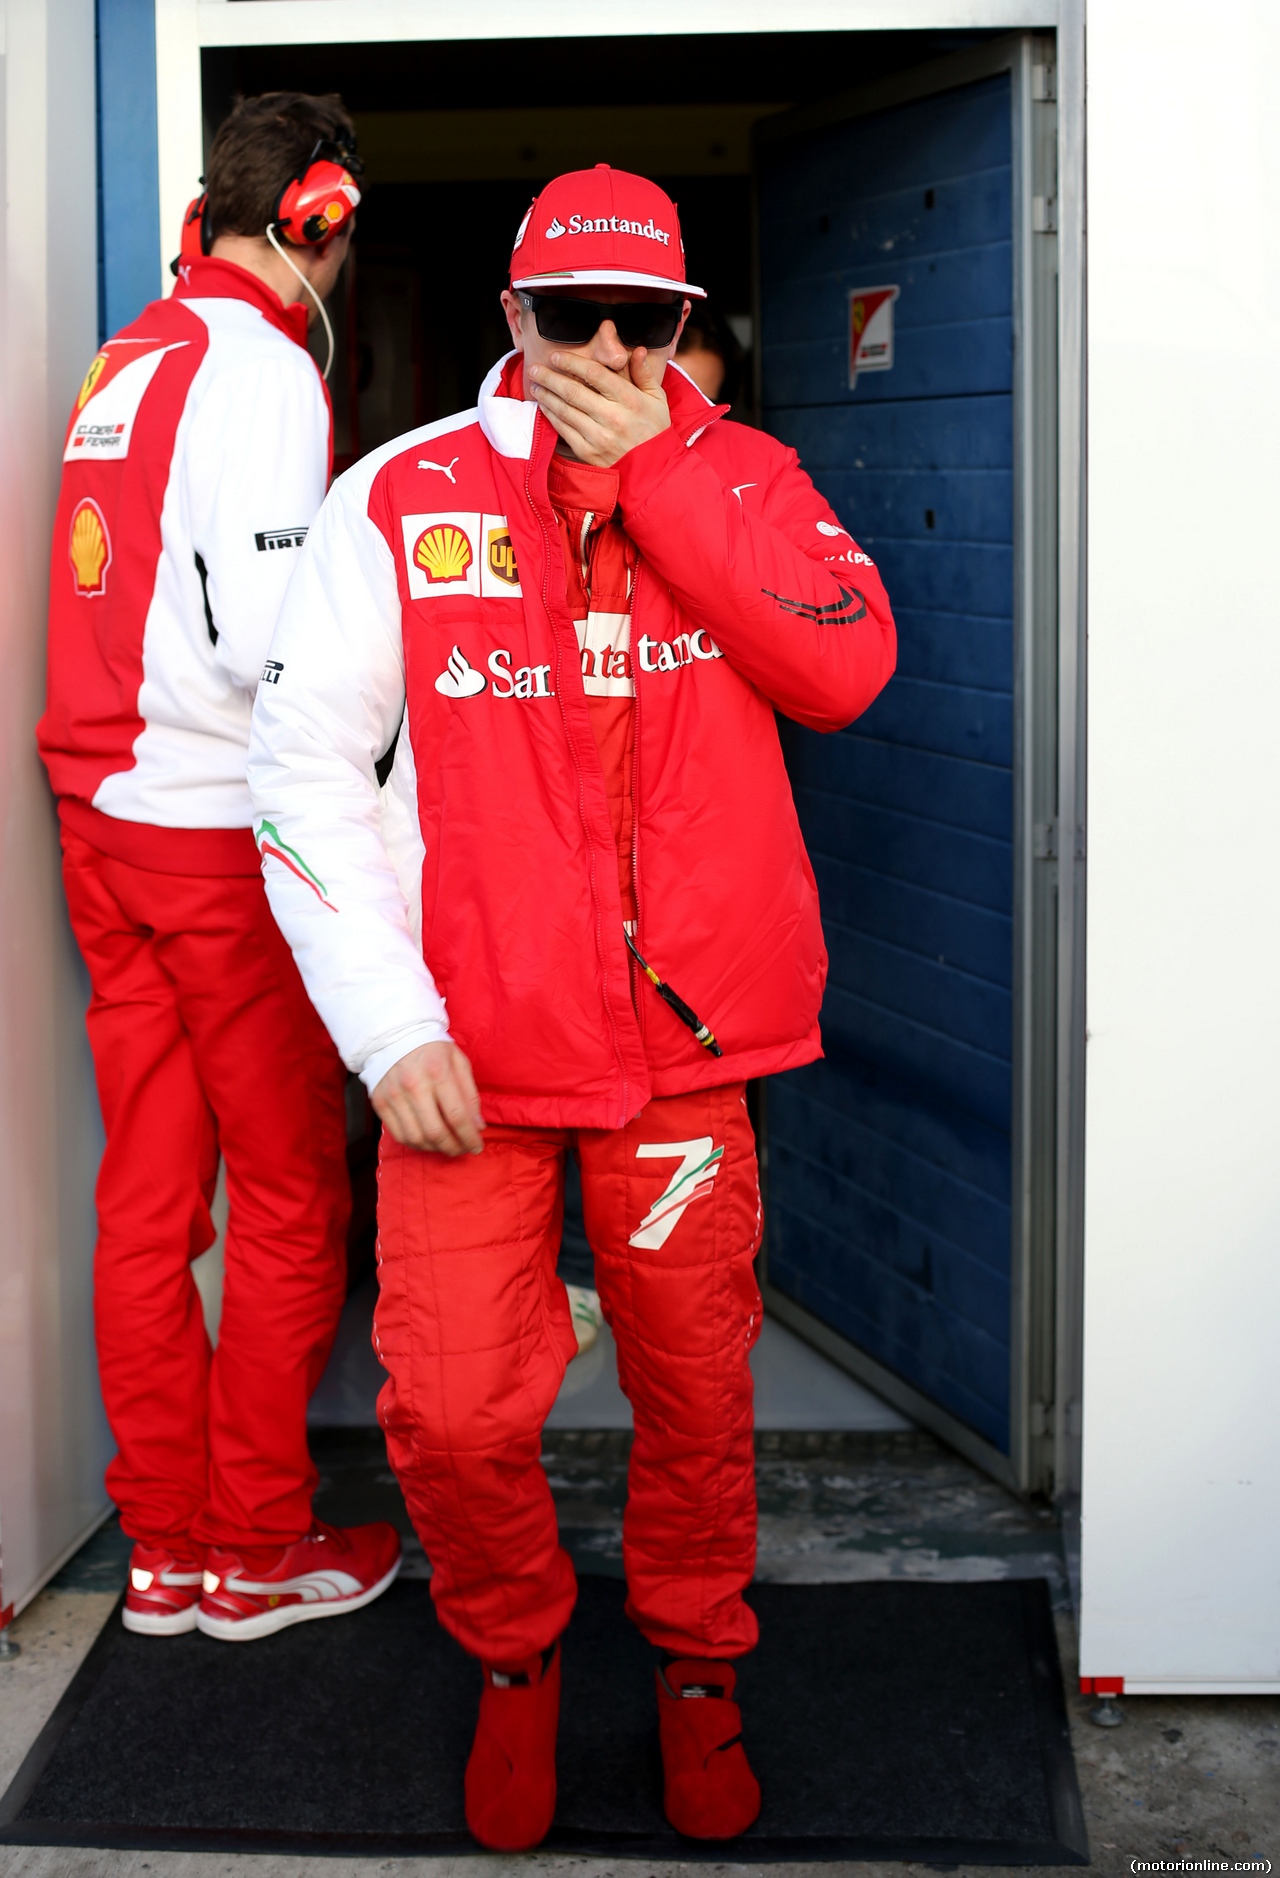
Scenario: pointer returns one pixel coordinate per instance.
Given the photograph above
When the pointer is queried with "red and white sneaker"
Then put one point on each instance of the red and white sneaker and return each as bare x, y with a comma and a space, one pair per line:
331, 1570
163, 1593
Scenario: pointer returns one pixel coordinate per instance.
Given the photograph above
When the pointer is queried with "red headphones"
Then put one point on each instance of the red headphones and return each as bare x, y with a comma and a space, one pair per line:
317, 202
314, 204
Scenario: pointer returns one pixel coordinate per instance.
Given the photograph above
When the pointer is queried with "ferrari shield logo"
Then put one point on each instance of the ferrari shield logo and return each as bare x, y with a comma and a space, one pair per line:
871, 330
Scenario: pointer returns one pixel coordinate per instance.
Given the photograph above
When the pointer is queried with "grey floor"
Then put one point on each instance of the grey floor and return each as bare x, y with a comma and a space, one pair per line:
796, 1388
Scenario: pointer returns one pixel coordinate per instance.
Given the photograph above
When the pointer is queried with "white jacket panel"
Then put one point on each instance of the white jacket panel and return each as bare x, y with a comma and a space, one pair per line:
342, 858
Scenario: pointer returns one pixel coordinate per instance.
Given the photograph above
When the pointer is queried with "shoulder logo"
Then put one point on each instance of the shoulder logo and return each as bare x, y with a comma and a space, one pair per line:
445, 469
110, 397
555, 229
89, 546
91, 378
459, 679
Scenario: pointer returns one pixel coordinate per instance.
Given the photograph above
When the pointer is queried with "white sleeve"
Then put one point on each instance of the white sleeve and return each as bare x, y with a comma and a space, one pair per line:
257, 461
328, 712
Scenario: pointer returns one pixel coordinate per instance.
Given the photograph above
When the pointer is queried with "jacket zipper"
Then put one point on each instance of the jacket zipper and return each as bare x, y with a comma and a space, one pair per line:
639, 965
632, 969
581, 780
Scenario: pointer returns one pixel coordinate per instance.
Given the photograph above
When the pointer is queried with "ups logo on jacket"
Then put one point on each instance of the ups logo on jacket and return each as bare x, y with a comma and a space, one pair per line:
501, 556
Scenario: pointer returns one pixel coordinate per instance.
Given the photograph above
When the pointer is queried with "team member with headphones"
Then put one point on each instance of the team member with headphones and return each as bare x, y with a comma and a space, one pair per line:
198, 452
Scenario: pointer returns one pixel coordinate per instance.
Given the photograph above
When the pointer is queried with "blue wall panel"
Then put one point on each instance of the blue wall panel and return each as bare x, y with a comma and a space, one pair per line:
889, 1162
128, 163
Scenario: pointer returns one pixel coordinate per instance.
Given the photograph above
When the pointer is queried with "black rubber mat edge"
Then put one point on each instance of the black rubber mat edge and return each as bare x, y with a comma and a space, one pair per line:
1066, 1808
937, 1852
1069, 1847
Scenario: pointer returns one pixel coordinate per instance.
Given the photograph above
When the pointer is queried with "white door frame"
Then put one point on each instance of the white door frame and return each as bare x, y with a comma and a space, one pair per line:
185, 27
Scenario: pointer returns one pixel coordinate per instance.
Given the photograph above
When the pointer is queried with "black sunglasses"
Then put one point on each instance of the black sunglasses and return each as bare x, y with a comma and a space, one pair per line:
574, 322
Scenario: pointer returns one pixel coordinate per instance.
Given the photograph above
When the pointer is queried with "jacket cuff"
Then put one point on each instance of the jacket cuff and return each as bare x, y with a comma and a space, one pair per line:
376, 1066
643, 470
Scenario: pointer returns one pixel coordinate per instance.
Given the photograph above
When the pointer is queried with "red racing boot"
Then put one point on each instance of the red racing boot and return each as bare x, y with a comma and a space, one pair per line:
163, 1593
329, 1571
511, 1776
708, 1788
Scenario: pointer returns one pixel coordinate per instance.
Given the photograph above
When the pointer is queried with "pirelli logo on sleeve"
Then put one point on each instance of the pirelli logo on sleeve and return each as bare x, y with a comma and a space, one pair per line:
272, 538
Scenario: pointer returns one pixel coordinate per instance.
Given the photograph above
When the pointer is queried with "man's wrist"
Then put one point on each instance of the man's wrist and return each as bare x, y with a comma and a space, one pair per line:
376, 1066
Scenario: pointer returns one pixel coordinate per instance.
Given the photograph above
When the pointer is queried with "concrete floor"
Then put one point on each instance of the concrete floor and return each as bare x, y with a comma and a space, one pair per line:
796, 1388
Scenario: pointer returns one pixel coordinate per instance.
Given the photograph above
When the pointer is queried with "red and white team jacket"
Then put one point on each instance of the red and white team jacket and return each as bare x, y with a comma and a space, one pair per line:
196, 456
477, 894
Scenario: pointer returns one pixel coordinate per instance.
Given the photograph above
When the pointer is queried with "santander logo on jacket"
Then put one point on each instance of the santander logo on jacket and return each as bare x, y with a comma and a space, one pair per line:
477, 893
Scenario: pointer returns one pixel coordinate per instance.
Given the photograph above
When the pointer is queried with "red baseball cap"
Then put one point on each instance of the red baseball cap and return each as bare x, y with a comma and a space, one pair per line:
597, 228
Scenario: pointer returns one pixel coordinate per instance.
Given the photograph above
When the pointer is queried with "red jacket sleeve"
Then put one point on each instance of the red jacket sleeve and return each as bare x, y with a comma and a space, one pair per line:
780, 585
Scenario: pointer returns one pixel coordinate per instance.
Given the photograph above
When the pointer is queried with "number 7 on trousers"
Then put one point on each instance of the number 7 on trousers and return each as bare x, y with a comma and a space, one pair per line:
692, 1180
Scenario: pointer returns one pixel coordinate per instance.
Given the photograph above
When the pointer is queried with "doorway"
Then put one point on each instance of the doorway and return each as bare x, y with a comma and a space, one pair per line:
910, 1176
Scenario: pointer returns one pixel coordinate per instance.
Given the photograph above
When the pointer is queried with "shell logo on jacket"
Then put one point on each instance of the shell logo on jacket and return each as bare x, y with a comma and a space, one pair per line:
89, 547
443, 553
476, 895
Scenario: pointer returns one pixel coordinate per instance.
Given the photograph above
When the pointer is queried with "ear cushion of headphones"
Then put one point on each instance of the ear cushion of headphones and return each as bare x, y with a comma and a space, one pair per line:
197, 231
315, 205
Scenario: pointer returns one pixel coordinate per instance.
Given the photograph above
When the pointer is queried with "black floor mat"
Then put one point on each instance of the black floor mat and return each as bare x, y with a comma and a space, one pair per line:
886, 1721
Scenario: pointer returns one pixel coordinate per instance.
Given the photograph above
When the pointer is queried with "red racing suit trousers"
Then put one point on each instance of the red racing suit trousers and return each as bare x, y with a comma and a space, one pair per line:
205, 1043
473, 1328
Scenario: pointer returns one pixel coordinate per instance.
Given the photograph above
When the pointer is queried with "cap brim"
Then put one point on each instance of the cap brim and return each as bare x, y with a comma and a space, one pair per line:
606, 277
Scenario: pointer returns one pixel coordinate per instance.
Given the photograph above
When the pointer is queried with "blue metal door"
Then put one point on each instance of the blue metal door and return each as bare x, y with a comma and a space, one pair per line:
889, 1163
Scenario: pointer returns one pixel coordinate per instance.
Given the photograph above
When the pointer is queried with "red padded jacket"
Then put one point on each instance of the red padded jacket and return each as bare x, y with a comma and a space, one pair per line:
485, 880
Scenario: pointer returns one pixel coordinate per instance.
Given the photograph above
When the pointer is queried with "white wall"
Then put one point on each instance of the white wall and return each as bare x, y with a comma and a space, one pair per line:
53, 1440
1181, 1558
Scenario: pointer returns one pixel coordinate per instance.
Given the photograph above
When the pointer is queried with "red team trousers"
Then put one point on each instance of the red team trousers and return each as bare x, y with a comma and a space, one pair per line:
473, 1328
204, 1042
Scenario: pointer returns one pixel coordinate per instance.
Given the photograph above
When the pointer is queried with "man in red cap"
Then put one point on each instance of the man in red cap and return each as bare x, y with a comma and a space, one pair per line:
577, 917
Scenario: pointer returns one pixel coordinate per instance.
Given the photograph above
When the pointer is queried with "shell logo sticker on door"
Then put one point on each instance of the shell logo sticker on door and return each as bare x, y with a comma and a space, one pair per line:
871, 330
89, 546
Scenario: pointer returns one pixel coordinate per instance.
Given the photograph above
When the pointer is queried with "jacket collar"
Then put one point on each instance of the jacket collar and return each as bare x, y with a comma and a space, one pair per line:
211, 279
508, 422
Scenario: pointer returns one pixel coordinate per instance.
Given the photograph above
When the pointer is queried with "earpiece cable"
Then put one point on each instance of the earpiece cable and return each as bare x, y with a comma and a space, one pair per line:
328, 330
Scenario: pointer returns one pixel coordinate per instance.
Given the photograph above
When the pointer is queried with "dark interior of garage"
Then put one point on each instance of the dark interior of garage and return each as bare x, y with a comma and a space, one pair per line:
458, 136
